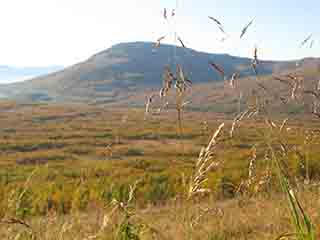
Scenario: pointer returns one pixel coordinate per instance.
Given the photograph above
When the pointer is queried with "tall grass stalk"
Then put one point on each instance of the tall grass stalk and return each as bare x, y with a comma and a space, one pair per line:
304, 229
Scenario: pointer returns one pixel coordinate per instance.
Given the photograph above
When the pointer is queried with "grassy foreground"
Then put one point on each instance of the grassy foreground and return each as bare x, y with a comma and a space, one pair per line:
73, 176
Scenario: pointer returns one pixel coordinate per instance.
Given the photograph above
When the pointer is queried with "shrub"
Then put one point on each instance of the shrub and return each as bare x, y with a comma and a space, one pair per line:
159, 189
135, 152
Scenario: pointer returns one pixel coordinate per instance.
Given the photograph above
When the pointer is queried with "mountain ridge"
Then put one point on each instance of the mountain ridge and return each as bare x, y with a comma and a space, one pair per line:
127, 68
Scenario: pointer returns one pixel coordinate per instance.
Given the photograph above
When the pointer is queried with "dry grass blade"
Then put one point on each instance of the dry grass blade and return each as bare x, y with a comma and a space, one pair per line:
251, 165
115, 205
124, 206
283, 124
305, 40
311, 44
181, 42
292, 76
218, 68
133, 189
223, 39
255, 55
294, 90
254, 67
271, 124
313, 93
286, 236
196, 221
294, 82
168, 79
263, 87
182, 81
219, 24
215, 20
284, 100
318, 85
214, 137
165, 14
234, 77
16, 221
158, 43
255, 61
148, 103
245, 29
163, 107
245, 184
221, 29
65, 227
284, 81
173, 12
315, 107
316, 114
204, 165
185, 103
237, 119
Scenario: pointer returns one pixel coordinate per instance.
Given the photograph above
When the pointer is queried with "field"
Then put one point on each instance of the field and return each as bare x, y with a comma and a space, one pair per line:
68, 171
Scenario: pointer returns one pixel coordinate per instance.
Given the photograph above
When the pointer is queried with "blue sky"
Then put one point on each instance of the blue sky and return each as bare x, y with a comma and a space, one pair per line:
64, 32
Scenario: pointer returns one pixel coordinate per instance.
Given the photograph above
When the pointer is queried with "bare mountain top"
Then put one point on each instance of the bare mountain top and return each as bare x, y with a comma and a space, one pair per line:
126, 69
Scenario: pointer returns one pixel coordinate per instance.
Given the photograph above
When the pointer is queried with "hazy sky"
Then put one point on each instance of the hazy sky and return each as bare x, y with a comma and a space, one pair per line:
64, 32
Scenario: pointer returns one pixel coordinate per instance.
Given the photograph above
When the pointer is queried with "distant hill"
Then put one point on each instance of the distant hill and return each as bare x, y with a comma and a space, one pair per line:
9, 74
126, 69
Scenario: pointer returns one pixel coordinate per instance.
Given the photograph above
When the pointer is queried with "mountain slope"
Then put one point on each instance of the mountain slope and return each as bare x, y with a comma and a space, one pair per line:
127, 68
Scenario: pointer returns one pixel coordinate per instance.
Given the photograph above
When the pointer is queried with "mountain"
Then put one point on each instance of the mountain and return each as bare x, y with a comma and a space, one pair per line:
127, 69
10, 74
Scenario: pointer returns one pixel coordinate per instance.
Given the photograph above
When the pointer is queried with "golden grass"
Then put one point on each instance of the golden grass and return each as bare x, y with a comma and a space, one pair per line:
77, 176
